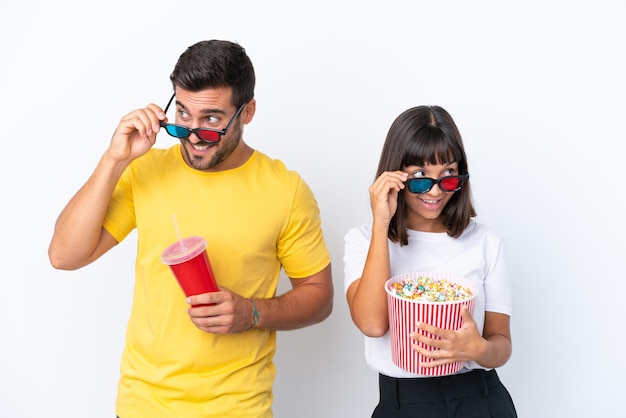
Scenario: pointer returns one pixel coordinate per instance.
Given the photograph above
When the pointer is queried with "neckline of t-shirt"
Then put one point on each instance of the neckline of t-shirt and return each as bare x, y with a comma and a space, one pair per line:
179, 152
434, 235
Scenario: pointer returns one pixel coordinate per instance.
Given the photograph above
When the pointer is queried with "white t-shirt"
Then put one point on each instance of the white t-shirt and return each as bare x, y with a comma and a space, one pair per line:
477, 254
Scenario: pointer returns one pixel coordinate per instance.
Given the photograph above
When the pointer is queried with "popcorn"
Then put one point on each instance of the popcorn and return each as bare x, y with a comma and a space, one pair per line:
430, 290
426, 297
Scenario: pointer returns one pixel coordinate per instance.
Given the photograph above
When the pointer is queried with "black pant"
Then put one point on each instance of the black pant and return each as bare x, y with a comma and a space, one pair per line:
475, 394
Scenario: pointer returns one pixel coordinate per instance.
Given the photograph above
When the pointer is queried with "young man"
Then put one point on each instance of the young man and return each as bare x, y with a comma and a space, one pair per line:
214, 360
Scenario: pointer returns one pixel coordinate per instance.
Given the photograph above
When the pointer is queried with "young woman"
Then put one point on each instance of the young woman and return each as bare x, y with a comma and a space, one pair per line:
424, 220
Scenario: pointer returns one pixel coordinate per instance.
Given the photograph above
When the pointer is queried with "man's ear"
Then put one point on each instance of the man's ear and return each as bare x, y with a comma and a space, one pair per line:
248, 112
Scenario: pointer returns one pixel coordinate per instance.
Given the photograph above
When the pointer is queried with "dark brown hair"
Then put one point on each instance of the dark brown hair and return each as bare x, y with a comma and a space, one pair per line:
213, 64
427, 135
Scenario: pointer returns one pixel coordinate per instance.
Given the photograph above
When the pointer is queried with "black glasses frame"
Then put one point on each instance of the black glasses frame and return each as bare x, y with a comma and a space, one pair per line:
190, 131
462, 179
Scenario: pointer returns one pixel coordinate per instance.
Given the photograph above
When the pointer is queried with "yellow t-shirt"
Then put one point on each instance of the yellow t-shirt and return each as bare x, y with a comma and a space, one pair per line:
256, 219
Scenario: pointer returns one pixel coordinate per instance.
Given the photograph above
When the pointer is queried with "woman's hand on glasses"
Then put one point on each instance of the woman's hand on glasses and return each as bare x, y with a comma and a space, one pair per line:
384, 195
136, 133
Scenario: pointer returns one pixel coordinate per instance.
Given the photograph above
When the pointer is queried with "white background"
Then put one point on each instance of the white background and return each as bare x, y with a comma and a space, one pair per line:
537, 89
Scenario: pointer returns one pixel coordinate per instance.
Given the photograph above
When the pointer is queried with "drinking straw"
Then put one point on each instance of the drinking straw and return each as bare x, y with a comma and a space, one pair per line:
180, 236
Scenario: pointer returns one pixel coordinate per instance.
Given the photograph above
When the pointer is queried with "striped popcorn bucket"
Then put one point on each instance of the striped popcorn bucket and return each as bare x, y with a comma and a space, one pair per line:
404, 313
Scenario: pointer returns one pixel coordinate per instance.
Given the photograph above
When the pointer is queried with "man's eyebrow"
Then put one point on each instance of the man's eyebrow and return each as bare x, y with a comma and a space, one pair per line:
212, 111
207, 111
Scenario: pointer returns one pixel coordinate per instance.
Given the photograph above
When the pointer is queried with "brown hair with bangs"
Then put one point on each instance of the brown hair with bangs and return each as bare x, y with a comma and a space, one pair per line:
427, 135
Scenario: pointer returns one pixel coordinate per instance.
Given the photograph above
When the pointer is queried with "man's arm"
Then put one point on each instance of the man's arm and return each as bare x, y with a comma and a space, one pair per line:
308, 302
78, 237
